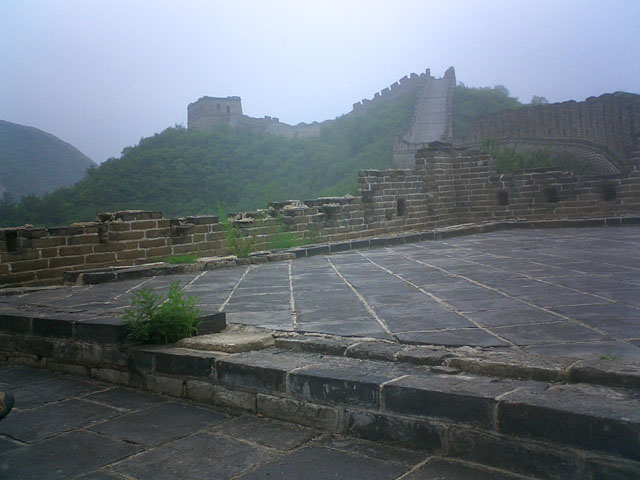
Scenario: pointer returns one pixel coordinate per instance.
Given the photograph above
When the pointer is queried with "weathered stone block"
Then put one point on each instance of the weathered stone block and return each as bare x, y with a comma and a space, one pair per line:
184, 362
527, 458
52, 327
602, 420
111, 375
167, 385
304, 413
387, 428
29, 265
200, 391
462, 399
234, 399
260, 370
75, 250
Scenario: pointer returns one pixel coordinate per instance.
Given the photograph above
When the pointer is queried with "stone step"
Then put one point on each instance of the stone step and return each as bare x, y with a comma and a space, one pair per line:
502, 363
540, 429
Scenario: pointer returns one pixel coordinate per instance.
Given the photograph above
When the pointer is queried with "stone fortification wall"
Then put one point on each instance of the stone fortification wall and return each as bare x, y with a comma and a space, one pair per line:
207, 112
405, 84
432, 119
447, 186
603, 131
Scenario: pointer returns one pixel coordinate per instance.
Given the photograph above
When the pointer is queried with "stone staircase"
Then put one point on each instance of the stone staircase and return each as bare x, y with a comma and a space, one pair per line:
546, 419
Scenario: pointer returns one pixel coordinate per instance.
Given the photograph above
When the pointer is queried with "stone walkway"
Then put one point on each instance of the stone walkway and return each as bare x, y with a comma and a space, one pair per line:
68, 428
559, 292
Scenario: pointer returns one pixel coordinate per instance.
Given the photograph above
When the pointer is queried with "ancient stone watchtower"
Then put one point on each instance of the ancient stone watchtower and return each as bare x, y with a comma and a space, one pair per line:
209, 111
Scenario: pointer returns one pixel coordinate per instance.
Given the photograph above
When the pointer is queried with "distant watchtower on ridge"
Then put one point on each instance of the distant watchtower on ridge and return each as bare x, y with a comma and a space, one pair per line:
209, 111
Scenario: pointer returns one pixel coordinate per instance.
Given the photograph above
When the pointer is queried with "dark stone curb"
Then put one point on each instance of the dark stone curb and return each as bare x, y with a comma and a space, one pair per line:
420, 407
553, 430
39, 328
113, 274
503, 364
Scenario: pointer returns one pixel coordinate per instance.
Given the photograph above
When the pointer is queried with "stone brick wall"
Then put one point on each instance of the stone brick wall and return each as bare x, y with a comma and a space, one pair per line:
447, 186
605, 129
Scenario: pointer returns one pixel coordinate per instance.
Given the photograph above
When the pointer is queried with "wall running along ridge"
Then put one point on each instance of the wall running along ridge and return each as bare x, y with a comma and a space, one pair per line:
207, 112
602, 131
447, 186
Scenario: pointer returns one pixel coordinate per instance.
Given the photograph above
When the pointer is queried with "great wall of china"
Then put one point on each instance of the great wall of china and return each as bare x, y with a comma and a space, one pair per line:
440, 186
502, 355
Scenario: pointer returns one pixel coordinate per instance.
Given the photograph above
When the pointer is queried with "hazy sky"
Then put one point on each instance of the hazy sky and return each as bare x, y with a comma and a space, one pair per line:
102, 74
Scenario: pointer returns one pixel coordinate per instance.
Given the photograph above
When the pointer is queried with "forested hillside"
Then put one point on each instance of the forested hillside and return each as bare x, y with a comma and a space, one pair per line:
35, 162
470, 103
186, 172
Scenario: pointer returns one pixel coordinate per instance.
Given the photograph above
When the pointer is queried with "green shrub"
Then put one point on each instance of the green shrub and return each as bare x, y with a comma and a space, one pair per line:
238, 242
508, 159
154, 319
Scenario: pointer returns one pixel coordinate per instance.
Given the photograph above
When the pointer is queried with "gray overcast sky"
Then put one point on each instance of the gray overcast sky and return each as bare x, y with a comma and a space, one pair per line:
101, 74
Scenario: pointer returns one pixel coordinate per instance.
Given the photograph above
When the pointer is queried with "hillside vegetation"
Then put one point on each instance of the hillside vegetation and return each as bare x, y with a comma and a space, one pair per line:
470, 103
186, 172
33, 162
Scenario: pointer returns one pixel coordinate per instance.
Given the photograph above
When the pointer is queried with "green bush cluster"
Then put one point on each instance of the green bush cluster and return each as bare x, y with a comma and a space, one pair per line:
158, 320
508, 159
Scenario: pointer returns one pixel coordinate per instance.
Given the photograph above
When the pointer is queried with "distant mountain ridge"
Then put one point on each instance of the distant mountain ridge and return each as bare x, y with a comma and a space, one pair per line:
33, 162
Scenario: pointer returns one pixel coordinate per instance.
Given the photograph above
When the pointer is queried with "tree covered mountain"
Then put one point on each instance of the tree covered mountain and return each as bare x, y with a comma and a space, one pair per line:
187, 172
33, 162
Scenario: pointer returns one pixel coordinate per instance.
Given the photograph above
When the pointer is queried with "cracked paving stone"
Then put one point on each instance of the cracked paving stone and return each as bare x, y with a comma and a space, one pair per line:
160, 423
65, 456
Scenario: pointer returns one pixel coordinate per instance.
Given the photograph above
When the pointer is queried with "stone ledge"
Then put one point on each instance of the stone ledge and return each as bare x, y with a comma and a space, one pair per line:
84, 327
510, 364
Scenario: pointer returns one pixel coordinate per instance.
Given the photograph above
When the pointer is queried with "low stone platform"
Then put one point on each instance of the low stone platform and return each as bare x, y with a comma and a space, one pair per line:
517, 350
563, 292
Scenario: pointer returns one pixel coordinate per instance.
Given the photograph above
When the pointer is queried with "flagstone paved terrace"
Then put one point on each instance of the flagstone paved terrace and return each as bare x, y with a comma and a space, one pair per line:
555, 292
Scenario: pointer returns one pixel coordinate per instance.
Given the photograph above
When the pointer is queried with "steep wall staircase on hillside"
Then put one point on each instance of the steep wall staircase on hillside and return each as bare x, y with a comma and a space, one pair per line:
432, 119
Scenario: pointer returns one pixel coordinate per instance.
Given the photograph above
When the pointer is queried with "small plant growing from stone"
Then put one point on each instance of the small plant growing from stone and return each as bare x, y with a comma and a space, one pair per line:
239, 243
155, 319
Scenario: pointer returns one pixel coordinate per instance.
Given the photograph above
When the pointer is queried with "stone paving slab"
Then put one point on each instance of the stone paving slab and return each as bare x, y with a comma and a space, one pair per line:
572, 292
149, 436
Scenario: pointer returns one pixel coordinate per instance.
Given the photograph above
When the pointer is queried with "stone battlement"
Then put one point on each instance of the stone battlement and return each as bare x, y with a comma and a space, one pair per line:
447, 186
207, 112
603, 131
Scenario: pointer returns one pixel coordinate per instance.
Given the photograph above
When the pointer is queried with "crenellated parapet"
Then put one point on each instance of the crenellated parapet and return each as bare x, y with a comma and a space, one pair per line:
207, 112
406, 83
604, 131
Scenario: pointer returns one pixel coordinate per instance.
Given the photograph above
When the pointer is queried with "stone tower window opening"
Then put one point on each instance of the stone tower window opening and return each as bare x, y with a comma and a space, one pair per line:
11, 241
551, 195
502, 197
401, 207
608, 191
228, 109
